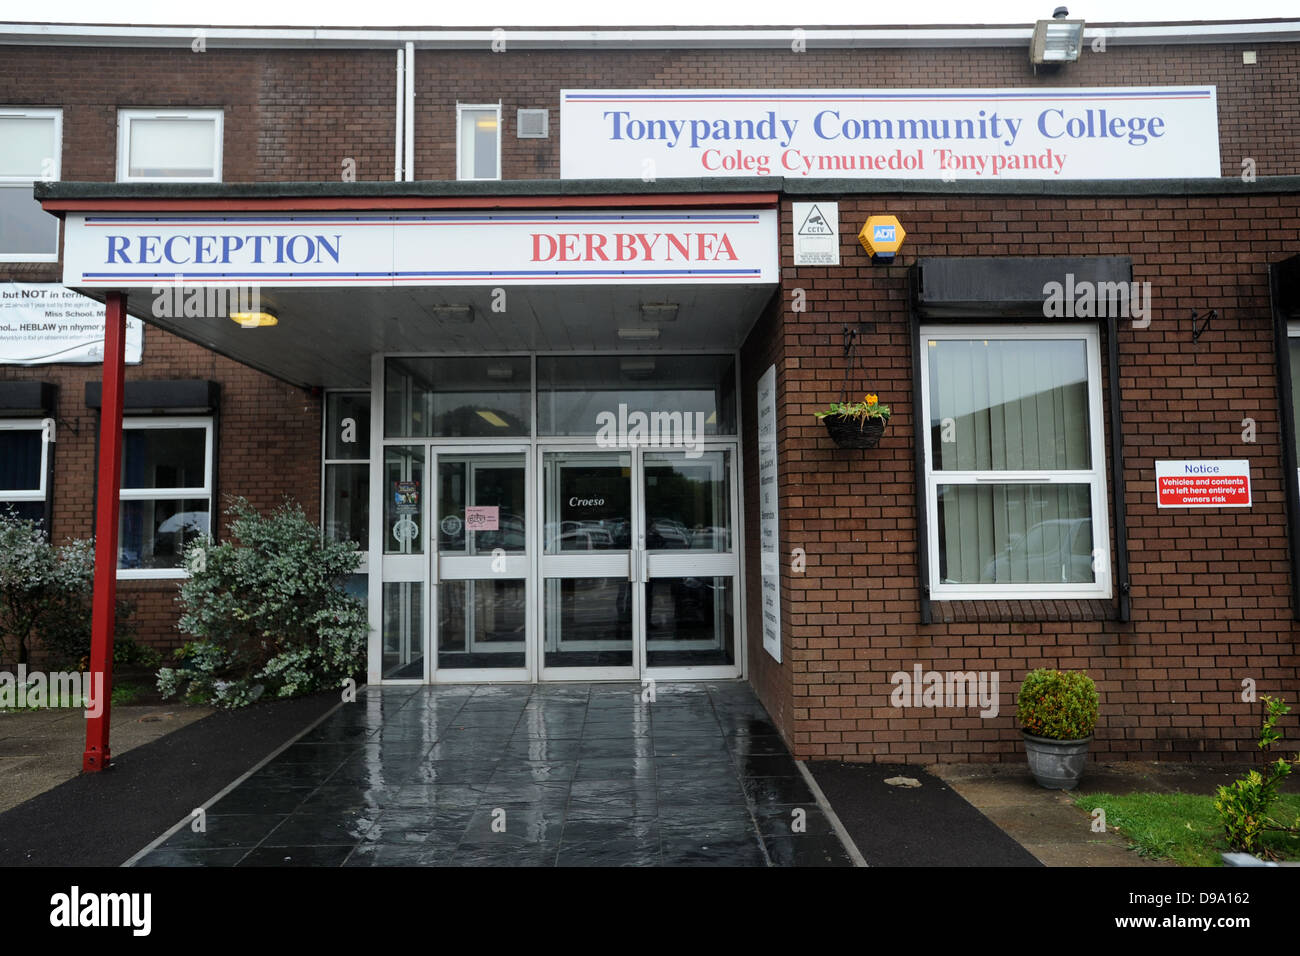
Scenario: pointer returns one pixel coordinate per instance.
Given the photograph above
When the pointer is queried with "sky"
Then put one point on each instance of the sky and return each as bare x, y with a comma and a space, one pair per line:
492, 13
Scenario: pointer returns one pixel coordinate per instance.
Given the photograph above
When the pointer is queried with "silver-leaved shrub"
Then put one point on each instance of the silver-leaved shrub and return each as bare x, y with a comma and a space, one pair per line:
268, 612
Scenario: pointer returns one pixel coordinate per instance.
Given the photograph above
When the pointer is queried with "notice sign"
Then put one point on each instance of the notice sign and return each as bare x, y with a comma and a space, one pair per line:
769, 519
1203, 484
46, 324
1040, 133
406, 497
482, 517
816, 233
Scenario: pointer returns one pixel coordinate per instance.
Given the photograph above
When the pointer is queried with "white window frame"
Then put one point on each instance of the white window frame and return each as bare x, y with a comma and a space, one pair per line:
460, 110
364, 553
1095, 477
17, 182
126, 117
28, 494
1292, 332
172, 422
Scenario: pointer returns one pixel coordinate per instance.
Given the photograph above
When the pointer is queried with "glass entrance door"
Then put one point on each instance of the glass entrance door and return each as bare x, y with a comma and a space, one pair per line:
639, 564
689, 562
480, 565
589, 594
456, 564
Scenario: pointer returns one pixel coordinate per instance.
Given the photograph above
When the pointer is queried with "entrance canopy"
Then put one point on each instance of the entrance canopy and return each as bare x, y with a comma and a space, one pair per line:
307, 281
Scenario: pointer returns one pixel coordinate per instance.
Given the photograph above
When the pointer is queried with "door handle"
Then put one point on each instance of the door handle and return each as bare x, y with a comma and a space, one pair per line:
433, 568
631, 566
645, 567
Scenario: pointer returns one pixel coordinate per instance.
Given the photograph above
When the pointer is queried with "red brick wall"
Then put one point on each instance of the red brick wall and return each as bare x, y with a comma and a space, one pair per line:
1210, 588
295, 115
268, 446
290, 115
1251, 124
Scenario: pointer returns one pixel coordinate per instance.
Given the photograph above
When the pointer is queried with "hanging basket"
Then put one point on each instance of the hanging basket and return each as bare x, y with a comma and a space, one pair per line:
849, 433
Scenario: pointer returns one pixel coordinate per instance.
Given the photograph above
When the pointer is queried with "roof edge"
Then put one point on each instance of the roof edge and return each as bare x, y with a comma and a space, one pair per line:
759, 191
622, 38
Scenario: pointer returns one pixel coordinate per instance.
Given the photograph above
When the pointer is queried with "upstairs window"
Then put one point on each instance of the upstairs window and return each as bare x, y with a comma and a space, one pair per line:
478, 142
182, 146
30, 150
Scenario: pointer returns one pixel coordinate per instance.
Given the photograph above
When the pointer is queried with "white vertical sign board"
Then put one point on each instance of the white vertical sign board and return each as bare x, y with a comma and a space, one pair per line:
769, 523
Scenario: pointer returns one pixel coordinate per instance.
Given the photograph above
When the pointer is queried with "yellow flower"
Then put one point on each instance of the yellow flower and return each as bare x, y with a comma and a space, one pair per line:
873, 399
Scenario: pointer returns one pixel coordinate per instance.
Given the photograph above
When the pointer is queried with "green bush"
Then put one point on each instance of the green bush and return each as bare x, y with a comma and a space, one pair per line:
268, 612
44, 589
1246, 807
1058, 705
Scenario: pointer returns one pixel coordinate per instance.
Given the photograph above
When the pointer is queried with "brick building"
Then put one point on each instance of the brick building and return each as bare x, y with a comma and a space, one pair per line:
487, 253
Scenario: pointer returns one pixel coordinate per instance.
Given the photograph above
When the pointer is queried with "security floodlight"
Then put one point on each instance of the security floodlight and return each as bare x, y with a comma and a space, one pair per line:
1057, 40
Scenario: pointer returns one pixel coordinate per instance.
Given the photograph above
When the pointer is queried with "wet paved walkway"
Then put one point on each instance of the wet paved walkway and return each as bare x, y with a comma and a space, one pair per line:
524, 775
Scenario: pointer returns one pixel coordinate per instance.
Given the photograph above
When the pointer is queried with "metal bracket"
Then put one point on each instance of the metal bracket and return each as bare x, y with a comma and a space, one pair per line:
1205, 322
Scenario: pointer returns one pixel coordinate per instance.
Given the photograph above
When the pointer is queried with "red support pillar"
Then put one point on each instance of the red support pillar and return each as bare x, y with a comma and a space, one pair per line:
108, 496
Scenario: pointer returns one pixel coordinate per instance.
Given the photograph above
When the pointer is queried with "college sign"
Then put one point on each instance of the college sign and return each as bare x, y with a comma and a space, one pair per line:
1110, 133
598, 248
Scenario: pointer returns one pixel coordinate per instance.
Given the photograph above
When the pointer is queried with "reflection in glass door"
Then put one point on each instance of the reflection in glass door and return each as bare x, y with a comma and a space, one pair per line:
589, 596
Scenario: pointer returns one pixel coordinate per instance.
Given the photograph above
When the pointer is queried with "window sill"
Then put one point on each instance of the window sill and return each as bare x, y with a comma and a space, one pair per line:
1047, 609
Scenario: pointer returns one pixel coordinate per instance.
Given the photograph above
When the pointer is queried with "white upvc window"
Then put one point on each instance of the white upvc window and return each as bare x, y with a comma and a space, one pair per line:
1293, 356
178, 146
31, 143
1015, 478
24, 466
478, 141
166, 493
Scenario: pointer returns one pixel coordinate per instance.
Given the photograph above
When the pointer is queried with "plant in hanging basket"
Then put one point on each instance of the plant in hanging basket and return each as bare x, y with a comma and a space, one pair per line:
856, 424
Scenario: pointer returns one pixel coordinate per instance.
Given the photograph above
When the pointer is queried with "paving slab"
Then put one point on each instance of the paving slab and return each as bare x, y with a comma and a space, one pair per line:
1048, 824
527, 775
161, 769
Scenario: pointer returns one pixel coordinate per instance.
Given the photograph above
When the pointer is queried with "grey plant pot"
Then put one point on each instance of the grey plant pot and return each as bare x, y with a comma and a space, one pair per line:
1057, 764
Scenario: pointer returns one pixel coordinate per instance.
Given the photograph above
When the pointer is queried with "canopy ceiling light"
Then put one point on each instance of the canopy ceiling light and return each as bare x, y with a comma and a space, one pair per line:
1057, 40
638, 335
255, 320
659, 311
637, 368
464, 314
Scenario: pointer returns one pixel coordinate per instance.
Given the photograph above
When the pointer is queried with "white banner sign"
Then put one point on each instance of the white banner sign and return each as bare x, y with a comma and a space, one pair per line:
769, 513
583, 248
1040, 133
46, 324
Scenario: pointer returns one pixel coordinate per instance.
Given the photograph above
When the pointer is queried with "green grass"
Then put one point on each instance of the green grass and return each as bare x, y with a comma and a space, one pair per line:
1183, 827
128, 693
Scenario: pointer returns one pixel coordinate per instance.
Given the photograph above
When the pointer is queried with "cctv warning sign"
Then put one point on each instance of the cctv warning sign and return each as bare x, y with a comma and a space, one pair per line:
816, 233
1203, 484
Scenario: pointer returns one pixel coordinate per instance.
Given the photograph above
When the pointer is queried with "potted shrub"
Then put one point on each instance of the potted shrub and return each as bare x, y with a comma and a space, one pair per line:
856, 424
1057, 711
